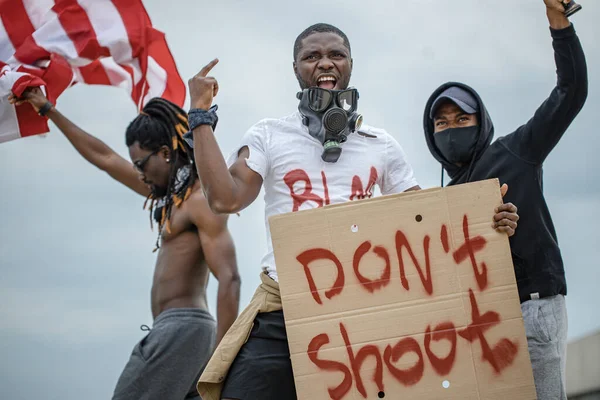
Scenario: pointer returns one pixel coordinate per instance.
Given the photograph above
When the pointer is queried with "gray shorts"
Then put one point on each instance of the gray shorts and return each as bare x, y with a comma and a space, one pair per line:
546, 327
166, 364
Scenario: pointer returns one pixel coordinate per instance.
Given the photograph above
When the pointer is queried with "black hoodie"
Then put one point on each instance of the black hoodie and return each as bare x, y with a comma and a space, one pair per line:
516, 159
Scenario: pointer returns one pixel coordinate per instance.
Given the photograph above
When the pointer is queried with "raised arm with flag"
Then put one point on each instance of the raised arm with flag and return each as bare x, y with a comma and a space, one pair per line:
66, 42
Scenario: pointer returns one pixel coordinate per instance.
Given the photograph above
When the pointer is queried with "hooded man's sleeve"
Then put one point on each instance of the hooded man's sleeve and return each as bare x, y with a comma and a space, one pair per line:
535, 140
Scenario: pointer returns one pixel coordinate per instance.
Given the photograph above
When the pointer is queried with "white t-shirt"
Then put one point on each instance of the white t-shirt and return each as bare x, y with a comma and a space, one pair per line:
296, 178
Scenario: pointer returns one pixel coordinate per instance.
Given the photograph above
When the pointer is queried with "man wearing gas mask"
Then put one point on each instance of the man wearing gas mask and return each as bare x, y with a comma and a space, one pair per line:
459, 131
316, 156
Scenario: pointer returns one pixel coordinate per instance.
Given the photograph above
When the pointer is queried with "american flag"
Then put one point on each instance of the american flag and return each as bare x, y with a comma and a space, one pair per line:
57, 43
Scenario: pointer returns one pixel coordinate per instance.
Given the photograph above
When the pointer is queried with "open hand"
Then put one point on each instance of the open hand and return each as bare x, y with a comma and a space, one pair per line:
203, 88
34, 96
506, 216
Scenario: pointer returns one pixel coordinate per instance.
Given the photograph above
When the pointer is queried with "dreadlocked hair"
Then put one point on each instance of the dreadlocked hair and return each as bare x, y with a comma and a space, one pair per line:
163, 123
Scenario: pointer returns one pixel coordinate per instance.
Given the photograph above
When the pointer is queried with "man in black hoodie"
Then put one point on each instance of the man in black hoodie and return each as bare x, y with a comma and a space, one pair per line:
459, 133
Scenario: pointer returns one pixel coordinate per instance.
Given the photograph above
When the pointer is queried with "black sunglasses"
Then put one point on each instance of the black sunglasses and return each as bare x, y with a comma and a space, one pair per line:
140, 164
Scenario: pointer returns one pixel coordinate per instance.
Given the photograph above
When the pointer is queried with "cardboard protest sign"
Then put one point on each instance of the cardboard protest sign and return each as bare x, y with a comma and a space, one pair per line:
407, 296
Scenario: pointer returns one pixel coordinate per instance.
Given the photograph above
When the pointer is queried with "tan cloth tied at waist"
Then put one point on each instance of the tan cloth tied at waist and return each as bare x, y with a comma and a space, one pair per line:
265, 299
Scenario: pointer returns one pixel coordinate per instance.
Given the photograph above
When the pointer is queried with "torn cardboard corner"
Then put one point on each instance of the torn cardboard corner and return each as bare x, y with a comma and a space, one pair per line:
404, 296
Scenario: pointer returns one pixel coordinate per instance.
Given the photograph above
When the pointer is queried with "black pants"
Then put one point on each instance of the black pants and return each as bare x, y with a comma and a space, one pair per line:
262, 370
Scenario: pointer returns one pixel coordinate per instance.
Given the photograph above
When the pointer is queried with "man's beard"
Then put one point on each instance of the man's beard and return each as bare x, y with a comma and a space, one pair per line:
302, 82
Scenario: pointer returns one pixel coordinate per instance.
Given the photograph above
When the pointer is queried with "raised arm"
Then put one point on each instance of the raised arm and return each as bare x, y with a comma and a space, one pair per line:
91, 148
535, 140
227, 190
219, 252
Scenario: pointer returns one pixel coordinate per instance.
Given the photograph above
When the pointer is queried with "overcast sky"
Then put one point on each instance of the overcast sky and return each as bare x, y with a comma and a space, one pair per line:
76, 248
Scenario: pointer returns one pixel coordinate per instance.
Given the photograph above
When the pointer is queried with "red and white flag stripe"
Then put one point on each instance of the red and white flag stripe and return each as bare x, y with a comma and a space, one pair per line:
103, 42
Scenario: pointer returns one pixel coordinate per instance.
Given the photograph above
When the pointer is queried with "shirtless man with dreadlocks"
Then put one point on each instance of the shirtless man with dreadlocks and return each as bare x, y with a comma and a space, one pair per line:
166, 364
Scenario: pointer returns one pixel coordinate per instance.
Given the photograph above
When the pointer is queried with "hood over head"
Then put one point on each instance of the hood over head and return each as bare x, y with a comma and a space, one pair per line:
486, 127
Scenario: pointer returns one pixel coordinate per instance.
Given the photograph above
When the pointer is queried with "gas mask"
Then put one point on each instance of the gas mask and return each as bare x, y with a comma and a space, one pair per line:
330, 116
457, 145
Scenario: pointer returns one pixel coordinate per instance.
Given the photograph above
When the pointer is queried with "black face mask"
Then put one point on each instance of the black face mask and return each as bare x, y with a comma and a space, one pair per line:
330, 116
457, 144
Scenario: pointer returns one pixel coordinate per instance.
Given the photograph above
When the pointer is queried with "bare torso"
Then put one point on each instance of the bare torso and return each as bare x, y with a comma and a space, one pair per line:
181, 273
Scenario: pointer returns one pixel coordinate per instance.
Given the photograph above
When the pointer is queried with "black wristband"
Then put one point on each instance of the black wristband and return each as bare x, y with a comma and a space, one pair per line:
197, 117
45, 108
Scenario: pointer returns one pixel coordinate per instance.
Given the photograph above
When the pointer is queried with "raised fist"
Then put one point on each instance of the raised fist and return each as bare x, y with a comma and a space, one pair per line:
34, 96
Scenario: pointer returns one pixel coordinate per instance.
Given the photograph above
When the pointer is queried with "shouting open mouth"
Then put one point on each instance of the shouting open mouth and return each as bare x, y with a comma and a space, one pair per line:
327, 81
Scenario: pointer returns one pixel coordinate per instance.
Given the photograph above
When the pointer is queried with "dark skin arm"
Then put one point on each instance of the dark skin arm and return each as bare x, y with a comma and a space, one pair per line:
91, 148
230, 190
219, 253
